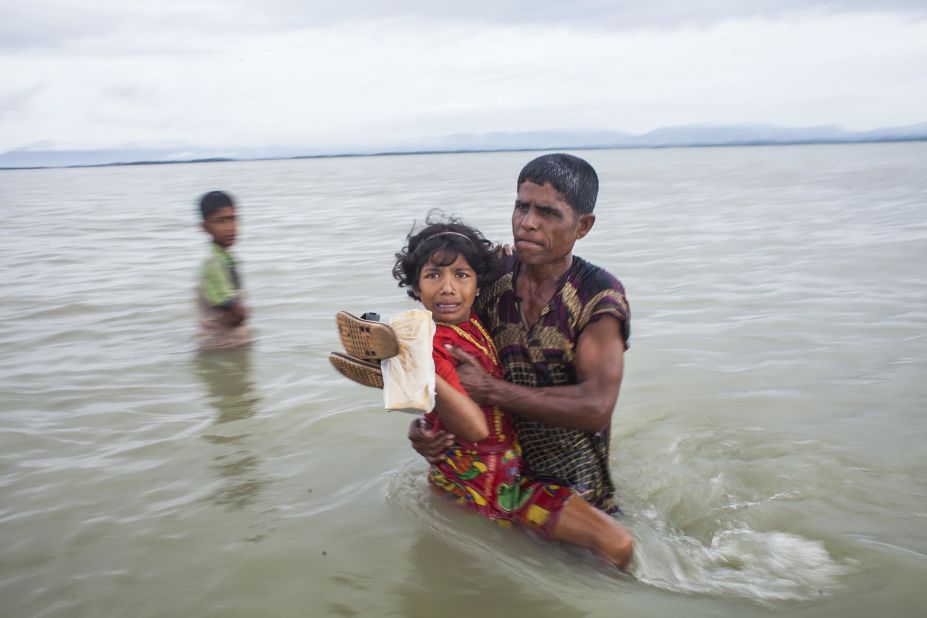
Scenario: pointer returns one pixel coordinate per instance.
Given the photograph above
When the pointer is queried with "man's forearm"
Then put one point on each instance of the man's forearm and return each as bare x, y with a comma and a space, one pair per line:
587, 405
576, 406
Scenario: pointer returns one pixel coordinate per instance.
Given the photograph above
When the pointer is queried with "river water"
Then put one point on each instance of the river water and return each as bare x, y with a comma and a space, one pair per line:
769, 446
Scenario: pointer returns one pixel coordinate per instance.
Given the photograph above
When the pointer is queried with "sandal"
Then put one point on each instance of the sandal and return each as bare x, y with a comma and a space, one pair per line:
360, 371
366, 339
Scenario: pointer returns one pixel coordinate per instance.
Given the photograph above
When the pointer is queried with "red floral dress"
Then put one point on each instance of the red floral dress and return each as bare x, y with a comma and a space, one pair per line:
488, 476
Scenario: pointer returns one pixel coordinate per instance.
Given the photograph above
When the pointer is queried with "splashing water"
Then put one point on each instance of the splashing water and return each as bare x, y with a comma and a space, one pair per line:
754, 565
720, 553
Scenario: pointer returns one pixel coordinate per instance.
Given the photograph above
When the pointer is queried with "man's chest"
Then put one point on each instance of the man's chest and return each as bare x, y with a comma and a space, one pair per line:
542, 353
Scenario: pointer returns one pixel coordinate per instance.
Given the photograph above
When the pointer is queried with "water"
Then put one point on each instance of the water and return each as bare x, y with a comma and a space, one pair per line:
769, 443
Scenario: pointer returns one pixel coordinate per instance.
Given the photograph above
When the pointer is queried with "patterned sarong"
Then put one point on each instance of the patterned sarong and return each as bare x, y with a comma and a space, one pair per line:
488, 476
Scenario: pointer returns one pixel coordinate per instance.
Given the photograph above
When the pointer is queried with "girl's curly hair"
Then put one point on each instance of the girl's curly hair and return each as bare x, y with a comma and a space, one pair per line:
441, 241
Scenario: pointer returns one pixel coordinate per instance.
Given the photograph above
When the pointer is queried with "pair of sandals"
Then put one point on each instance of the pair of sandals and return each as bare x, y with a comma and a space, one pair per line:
366, 342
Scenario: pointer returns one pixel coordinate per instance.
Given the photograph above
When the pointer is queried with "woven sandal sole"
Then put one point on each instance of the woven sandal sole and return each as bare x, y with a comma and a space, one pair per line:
360, 371
366, 339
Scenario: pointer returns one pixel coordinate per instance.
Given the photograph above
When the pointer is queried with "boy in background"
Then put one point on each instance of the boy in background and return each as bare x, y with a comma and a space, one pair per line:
220, 303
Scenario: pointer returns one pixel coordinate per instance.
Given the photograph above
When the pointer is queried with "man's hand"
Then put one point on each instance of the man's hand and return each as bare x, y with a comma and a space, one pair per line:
472, 376
427, 442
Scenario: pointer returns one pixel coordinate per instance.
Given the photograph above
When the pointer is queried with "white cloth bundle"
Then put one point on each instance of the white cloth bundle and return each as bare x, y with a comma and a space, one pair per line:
409, 377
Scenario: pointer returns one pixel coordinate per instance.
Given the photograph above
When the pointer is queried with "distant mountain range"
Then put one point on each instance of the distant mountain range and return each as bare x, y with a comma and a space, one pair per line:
685, 136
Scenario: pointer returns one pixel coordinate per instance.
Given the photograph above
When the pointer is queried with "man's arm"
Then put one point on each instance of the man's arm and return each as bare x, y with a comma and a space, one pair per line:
429, 443
586, 405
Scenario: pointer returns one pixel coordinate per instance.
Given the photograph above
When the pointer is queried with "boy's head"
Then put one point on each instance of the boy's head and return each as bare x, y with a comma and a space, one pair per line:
440, 244
218, 211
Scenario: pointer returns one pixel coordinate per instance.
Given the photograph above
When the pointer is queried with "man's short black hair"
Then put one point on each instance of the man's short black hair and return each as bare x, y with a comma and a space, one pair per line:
441, 241
571, 176
213, 201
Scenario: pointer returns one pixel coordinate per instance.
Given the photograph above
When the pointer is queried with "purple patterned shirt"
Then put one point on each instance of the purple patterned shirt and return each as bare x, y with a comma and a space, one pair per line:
544, 355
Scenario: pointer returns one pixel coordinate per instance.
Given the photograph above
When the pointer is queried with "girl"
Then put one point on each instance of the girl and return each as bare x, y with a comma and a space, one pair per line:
443, 266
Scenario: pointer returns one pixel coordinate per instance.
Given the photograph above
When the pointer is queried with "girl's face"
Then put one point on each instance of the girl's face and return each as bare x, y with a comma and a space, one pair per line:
448, 291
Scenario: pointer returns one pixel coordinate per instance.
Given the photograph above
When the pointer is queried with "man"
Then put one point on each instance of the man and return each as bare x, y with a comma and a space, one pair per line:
561, 327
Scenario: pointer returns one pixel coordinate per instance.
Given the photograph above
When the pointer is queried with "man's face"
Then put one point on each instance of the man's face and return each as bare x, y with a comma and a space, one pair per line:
544, 226
222, 226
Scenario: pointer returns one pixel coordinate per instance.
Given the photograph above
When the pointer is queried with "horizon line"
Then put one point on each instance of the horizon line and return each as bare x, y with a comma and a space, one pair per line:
441, 151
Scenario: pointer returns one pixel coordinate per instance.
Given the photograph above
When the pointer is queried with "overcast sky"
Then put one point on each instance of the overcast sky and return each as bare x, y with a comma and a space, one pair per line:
88, 74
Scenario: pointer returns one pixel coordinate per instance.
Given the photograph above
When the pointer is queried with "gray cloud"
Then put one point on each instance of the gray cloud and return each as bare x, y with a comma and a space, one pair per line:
13, 102
584, 13
237, 73
56, 23
42, 25
129, 92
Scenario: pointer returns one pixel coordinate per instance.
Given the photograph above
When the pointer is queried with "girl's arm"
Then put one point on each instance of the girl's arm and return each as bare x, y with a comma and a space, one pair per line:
460, 414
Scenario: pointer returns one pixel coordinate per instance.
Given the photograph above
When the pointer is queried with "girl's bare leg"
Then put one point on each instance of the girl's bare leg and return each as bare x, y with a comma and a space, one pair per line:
582, 524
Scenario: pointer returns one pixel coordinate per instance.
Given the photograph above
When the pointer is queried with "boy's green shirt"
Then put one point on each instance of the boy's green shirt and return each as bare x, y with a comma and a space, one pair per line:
219, 284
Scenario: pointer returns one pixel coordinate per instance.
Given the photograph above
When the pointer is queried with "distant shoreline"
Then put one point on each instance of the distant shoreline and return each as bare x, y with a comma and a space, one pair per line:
396, 153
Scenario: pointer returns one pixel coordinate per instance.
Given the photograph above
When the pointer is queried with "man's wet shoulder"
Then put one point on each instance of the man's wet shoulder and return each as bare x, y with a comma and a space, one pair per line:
590, 277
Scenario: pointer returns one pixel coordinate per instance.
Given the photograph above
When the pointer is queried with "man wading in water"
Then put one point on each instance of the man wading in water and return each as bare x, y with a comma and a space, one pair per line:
561, 327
